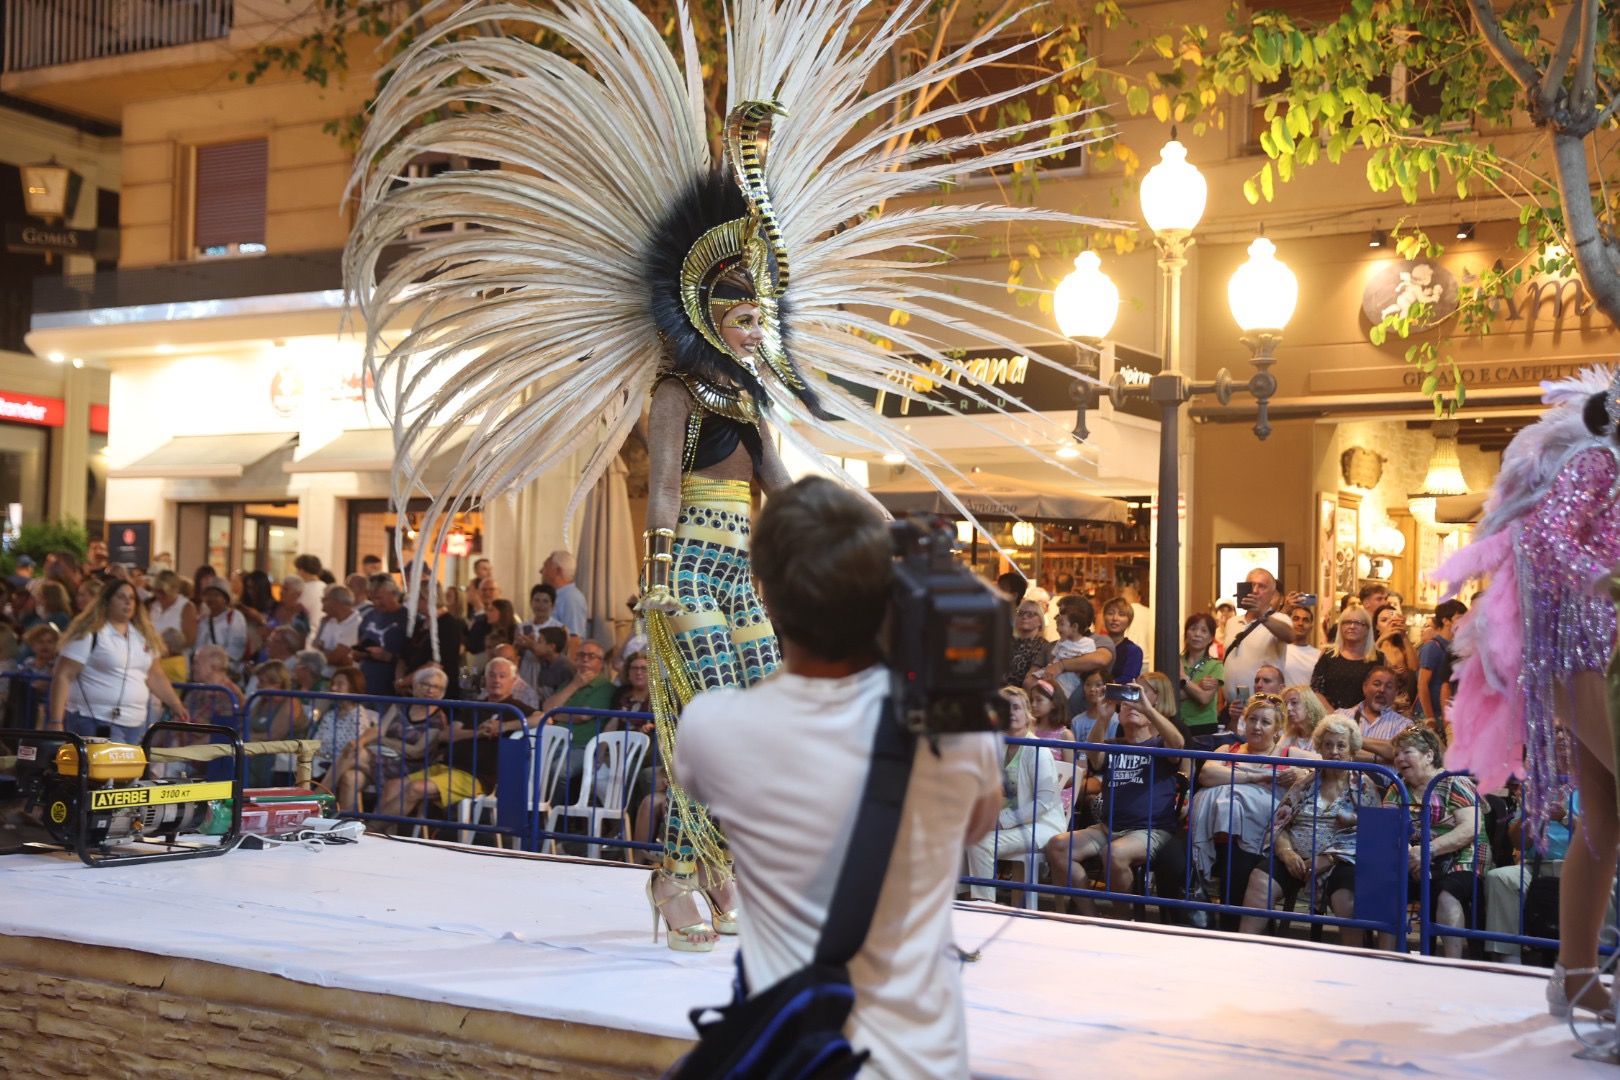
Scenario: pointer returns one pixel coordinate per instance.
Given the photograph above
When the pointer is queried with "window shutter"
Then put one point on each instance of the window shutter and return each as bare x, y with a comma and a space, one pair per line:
231, 193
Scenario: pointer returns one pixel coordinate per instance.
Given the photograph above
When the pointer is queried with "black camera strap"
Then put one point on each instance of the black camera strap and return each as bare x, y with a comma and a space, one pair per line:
1246, 631
877, 825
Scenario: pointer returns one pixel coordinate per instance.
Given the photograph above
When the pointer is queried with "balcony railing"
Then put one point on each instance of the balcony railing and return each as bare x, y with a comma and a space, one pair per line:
44, 33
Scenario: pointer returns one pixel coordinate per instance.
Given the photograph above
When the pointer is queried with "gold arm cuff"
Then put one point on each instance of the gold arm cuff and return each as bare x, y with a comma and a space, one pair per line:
657, 570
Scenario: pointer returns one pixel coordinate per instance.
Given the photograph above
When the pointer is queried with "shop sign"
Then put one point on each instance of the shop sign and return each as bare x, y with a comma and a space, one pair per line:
1525, 373
31, 237
286, 391
1402, 284
1026, 380
1137, 369
130, 543
28, 409
100, 418
1542, 297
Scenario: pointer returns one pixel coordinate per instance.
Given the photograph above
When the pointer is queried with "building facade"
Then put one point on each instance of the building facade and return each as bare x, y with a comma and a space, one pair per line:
242, 428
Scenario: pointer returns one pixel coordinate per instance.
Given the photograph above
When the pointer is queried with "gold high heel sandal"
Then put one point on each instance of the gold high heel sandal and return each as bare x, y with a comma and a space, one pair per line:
725, 922
684, 938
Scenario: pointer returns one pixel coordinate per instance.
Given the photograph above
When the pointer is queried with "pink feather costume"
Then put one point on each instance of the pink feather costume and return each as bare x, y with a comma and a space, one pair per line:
1548, 542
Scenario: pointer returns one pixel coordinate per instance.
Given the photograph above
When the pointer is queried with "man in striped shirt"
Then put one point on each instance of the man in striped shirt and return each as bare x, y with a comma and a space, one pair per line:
1375, 715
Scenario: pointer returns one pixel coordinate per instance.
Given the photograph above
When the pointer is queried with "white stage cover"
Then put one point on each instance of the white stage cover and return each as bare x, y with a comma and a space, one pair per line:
571, 941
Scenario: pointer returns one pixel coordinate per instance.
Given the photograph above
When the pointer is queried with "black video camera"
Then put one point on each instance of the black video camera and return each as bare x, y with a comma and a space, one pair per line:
948, 636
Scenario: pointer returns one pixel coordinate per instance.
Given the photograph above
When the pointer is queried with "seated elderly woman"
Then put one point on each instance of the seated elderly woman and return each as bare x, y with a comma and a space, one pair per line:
1233, 803
1032, 810
1313, 834
308, 671
1459, 849
1139, 798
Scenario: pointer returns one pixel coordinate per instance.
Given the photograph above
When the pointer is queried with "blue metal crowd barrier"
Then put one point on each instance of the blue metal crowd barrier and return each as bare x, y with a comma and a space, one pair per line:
1430, 927
1183, 903
449, 707
523, 818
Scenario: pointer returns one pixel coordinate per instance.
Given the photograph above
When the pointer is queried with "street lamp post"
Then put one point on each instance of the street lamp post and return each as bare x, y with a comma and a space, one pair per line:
1262, 295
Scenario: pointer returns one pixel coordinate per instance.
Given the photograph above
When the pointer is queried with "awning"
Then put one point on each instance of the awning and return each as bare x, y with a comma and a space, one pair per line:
222, 457
993, 496
366, 450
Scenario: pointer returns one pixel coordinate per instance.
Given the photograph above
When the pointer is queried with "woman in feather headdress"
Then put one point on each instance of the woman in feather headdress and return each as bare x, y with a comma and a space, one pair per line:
617, 266
1531, 694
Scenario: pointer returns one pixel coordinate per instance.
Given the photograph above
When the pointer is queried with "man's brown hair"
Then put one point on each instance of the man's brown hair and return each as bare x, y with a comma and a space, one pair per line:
823, 560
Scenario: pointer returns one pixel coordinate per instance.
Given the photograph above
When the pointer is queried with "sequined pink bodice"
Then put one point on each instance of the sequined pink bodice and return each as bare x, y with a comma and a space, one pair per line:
1565, 546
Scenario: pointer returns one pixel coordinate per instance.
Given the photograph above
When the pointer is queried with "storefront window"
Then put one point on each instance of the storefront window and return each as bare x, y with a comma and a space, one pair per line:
269, 541
23, 456
240, 536
373, 523
219, 539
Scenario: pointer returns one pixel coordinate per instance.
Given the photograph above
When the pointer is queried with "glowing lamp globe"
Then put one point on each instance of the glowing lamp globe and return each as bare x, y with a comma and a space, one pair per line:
1173, 192
1263, 292
1086, 302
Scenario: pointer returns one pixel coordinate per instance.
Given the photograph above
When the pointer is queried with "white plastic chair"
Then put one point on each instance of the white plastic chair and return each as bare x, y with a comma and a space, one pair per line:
624, 749
554, 740
1031, 861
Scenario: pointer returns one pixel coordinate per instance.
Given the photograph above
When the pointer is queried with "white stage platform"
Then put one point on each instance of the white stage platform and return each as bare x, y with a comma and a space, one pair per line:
570, 941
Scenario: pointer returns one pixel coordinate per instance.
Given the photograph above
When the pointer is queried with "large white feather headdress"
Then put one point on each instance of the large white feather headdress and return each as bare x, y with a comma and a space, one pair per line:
535, 329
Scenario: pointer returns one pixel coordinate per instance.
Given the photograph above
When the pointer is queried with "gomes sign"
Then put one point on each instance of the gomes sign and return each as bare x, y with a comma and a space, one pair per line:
101, 244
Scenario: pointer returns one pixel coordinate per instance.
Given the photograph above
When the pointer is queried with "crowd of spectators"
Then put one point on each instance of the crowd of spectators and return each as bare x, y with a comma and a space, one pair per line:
105, 650
1269, 676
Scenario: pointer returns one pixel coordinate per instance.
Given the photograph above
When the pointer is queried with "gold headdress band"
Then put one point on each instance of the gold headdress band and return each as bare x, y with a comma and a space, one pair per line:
753, 242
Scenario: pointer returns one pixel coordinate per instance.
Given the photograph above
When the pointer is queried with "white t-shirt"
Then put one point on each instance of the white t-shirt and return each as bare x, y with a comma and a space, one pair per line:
310, 600
789, 829
113, 676
1300, 663
1141, 632
171, 619
228, 630
1258, 649
335, 632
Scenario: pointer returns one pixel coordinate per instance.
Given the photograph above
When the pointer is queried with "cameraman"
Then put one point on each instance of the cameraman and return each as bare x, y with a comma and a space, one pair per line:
824, 566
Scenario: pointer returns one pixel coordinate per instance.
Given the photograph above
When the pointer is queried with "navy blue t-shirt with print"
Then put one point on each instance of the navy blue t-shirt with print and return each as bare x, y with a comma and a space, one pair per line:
387, 630
1133, 783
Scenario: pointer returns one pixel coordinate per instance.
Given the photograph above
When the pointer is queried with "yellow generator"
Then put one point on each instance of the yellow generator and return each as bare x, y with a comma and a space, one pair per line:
94, 798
